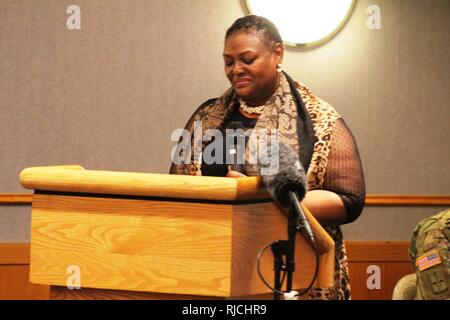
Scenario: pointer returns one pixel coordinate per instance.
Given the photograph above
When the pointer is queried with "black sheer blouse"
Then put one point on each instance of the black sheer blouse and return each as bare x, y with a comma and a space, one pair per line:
344, 175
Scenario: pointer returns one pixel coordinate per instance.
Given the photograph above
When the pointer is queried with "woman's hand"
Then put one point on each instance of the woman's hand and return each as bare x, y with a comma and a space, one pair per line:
235, 174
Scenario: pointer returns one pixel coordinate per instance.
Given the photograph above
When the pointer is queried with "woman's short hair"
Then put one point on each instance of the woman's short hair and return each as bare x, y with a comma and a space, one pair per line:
254, 23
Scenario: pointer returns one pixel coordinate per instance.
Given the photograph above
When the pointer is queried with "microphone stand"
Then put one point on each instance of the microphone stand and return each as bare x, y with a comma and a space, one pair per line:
285, 248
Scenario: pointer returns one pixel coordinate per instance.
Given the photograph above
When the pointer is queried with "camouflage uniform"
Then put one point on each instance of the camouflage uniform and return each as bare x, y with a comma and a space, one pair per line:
429, 253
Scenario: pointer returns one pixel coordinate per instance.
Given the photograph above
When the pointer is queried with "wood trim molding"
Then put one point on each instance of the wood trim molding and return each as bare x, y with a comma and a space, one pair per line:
14, 253
376, 251
371, 200
407, 200
15, 198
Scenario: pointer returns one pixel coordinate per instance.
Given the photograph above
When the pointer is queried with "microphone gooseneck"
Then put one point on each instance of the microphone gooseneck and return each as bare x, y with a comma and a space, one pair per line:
286, 181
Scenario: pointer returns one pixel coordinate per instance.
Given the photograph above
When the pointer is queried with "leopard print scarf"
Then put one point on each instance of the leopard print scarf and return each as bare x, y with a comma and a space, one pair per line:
281, 113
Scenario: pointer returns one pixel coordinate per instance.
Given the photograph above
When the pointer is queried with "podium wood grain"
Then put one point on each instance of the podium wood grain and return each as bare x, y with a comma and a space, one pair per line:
162, 234
158, 246
76, 179
131, 244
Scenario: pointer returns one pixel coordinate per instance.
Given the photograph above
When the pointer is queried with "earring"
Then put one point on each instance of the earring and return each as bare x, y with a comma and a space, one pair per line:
279, 68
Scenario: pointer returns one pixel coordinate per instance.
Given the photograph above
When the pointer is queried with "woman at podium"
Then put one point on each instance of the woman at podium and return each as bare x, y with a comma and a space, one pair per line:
263, 95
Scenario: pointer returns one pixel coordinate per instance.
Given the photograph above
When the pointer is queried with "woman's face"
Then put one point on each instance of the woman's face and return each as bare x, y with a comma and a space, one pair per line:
251, 67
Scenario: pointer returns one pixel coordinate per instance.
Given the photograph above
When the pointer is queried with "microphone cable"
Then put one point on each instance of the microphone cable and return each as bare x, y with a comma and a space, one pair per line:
300, 293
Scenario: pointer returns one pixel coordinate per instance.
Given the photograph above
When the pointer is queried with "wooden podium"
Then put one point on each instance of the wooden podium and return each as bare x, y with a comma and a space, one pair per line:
157, 236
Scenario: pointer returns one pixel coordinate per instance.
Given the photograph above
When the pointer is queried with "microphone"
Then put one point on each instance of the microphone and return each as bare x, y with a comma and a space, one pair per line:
288, 185
235, 147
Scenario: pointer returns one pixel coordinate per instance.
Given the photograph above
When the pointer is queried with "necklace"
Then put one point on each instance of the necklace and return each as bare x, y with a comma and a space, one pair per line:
251, 110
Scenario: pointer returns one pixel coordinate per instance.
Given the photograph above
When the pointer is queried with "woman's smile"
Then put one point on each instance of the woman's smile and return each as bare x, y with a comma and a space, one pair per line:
241, 82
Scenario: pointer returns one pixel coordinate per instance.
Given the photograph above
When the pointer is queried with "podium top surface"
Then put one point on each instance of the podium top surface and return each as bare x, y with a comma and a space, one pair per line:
76, 179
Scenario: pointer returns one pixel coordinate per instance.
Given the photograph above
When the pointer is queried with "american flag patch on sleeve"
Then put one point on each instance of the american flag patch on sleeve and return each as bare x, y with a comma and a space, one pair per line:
428, 260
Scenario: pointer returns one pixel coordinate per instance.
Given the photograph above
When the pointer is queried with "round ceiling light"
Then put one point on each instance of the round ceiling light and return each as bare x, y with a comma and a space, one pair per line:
304, 23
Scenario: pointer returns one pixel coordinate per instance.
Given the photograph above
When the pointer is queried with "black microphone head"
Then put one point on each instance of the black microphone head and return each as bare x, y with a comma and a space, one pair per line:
289, 175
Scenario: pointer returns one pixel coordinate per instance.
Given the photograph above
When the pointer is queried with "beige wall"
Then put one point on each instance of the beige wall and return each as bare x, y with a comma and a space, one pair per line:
109, 95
